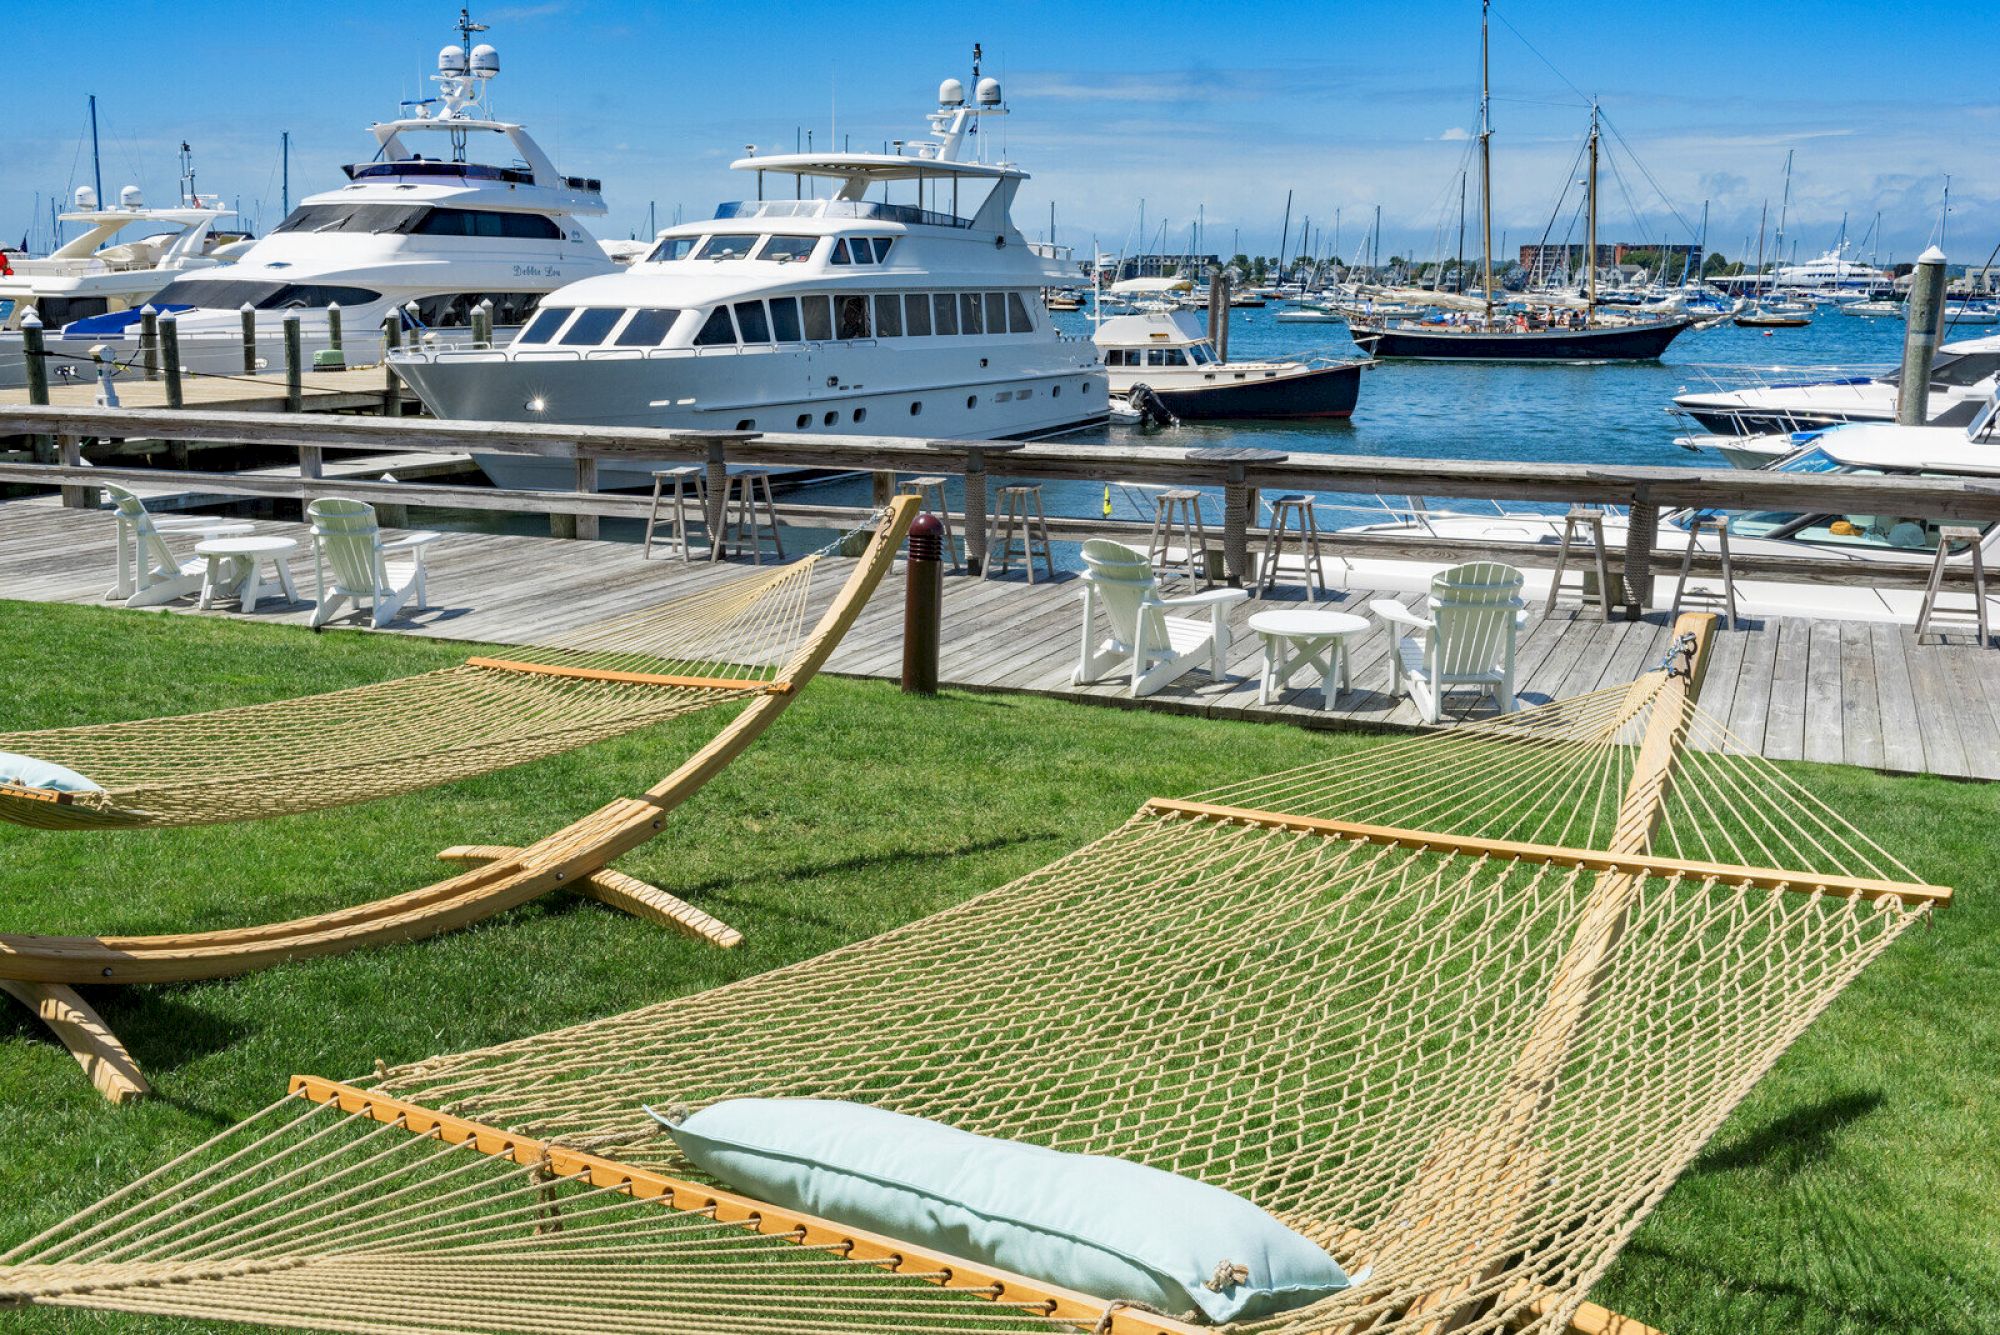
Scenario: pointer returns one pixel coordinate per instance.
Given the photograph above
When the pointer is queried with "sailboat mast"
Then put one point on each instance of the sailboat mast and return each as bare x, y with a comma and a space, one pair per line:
1486, 159
1784, 207
1762, 214
1458, 260
1590, 243
1285, 237
96, 165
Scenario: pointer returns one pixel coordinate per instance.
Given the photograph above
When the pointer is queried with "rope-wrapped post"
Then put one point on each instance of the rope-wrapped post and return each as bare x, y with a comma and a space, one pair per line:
392, 388
149, 340
37, 367
1236, 501
1642, 526
247, 315
923, 605
715, 503
295, 383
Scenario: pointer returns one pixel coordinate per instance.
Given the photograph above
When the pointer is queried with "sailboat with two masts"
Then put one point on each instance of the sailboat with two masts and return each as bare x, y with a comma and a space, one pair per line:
1489, 334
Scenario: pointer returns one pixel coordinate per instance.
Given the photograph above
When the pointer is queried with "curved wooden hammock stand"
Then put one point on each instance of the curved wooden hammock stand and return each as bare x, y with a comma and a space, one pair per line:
41, 971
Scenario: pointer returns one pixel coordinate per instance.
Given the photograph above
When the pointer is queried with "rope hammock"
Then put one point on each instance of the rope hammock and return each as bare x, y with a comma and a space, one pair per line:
1459, 1008
489, 713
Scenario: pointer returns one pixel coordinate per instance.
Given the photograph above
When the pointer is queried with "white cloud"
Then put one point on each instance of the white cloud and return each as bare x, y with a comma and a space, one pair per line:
1455, 134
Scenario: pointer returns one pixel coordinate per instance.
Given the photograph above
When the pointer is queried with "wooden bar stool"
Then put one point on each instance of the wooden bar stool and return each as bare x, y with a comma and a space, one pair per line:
1313, 569
930, 490
1949, 534
1011, 515
747, 487
688, 489
1179, 510
1719, 526
1580, 521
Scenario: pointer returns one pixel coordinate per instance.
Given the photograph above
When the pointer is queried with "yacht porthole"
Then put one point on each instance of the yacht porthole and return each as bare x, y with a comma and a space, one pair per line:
805, 420
916, 407
1055, 391
860, 414
972, 400
747, 424
831, 417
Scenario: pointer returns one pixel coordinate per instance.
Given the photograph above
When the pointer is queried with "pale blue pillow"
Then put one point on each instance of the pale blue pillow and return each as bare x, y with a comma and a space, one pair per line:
1099, 1225
33, 773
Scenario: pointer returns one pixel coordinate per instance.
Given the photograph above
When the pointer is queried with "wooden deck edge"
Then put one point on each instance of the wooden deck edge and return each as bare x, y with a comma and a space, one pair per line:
1643, 864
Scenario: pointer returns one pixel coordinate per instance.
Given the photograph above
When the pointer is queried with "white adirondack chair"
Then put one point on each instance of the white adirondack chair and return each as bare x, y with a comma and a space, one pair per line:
348, 541
1145, 637
149, 574
1465, 642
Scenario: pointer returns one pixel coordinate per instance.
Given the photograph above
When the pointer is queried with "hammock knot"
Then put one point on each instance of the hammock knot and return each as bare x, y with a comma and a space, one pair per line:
1227, 1276
1104, 1321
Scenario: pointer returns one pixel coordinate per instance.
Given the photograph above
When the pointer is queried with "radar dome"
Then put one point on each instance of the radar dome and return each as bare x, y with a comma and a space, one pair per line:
988, 93
130, 198
451, 60
485, 61
86, 198
951, 93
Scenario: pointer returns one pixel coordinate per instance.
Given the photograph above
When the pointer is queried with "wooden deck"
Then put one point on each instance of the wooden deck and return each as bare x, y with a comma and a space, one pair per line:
359, 388
1843, 692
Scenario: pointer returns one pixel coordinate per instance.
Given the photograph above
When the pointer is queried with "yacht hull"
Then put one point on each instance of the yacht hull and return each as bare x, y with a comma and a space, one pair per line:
1628, 343
1326, 391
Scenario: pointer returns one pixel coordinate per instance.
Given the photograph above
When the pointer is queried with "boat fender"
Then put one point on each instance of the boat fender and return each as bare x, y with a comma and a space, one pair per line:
1153, 410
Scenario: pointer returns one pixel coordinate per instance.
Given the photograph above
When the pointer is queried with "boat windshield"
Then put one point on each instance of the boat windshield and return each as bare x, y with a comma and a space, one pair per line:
235, 293
1880, 531
419, 220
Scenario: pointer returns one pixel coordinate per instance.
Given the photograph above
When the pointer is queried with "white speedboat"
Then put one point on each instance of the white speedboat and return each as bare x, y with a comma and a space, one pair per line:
1755, 401
905, 302
1171, 355
125, 255
428, 227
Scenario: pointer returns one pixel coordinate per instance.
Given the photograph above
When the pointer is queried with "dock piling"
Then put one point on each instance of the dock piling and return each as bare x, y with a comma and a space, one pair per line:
482, 324
1642, 527
37, 366
716, 484
334, 358
149, 340
392, 388
70, 451
1922, 332
295, 386
247, 314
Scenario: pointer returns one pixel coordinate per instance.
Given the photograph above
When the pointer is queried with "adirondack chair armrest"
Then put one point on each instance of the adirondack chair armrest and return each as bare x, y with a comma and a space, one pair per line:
1207, 598
414, 541
1394, 612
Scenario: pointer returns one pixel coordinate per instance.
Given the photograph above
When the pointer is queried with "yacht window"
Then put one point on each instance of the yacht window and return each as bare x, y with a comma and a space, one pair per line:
750, 319
971, 319
840, 251
647, 328
889, 316
674, 248
1114, 356
485, 223
1201, 354
543, 327
727, 247
917, 315
944, 307
591, 327
230, 293
785, 319
1965, 369
379, 219
853, 317
996, 312
819, 319
1165, 357
1018, 319
859, 251
882, 244
716, 329
784, 249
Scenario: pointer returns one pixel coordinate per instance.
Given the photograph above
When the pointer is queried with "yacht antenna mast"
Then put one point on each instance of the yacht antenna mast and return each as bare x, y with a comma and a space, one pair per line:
189, 199
1486, 160
285, 160
97, 166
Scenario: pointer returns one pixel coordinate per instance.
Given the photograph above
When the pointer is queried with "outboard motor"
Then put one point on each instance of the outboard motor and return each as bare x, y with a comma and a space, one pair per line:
1153, 410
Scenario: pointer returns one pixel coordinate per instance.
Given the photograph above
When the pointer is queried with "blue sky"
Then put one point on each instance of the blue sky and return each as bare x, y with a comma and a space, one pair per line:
1215, 109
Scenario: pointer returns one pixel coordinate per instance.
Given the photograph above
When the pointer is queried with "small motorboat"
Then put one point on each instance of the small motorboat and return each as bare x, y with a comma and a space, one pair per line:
1310, 315
1170, 354
1760, 318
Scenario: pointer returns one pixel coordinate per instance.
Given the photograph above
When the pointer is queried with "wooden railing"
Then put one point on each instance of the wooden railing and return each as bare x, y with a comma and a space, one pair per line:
1239, 475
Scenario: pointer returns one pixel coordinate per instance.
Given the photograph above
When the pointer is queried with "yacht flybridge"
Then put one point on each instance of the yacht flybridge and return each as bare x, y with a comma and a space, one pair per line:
98, 272
903, 301
455, 207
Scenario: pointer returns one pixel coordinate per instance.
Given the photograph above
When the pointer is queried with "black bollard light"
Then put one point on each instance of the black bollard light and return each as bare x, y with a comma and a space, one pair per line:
923, 606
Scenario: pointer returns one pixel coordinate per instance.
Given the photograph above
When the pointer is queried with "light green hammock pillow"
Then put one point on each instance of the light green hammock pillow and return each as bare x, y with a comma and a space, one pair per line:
32, 773
1102, 1226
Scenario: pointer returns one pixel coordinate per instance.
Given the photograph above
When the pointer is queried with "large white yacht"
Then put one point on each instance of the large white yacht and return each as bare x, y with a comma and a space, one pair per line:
115, 264
903, 302
455, 207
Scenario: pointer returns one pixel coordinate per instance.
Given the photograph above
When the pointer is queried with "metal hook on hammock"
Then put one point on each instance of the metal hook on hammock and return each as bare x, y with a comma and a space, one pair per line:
1679, 658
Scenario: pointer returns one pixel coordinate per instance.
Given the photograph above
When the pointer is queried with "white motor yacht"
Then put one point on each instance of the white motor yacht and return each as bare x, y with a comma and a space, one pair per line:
455, 207
98, 272
904, 302
1757, 401
1170, 357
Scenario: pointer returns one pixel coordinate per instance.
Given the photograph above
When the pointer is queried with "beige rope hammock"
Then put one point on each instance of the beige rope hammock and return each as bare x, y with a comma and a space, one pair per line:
717, 645
753, 616
1460, 1008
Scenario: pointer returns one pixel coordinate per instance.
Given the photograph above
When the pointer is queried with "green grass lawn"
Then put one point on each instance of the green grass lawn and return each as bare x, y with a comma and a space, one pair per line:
1858, 1190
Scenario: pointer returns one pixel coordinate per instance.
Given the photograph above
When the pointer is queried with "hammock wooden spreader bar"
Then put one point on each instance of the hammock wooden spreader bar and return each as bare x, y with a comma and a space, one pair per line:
43, 969
1510, 850
726, 1207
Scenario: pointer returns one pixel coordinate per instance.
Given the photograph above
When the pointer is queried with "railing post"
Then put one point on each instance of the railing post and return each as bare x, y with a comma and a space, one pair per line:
923, 606
975, 511
392, 388
586, 482
1237, 499
882, 488
149, 340
37, 359
70, 449
295, 385
1642, 527
247, 315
